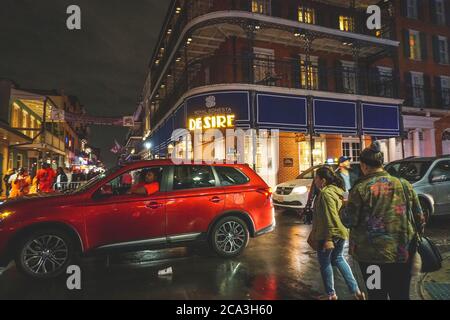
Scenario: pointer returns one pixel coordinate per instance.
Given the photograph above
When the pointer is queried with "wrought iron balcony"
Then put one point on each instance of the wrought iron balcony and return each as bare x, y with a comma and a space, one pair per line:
325, 14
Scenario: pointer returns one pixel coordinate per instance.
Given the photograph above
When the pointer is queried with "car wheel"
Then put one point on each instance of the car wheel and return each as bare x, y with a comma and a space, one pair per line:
229, 237
426, 209
44, 254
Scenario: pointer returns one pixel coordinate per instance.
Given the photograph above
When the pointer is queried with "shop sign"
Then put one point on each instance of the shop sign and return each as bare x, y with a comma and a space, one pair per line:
212, 122
288, 162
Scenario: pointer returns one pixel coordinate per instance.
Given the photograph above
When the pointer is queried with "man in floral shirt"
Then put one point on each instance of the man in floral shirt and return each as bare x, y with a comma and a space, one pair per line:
381, 234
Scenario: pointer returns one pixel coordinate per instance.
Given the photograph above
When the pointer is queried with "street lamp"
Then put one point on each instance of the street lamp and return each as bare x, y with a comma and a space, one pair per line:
148, 145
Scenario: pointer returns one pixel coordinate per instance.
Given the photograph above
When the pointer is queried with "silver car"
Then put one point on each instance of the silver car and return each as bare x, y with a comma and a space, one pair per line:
430, 178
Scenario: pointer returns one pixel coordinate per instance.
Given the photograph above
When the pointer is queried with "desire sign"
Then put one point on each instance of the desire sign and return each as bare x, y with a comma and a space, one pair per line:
212, 122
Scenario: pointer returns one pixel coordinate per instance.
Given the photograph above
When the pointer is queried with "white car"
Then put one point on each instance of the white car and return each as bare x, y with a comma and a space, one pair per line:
294, 194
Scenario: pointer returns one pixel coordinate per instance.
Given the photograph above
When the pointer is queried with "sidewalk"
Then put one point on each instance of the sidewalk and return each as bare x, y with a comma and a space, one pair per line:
436, 285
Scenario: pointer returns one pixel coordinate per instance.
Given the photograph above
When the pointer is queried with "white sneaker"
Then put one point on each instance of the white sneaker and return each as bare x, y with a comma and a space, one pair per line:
165, 272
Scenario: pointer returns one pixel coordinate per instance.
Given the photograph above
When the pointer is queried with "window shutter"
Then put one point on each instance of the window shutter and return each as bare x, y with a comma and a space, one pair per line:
296, 72
438, 91
404, 8
276, 8
406, 48
433, 11
321, 19
423, 45
421, 10
323, 74
448, 52
408, 88
338, 77
436, 49
447, 12
427, 89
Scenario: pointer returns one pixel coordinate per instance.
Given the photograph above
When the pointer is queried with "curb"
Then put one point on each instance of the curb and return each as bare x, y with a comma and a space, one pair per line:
419, 293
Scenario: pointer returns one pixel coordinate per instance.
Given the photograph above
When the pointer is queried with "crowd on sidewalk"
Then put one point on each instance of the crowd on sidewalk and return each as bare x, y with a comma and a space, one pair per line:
21, 182
381, 217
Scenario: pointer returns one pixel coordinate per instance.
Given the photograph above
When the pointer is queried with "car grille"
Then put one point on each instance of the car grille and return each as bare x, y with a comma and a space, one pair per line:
284, 191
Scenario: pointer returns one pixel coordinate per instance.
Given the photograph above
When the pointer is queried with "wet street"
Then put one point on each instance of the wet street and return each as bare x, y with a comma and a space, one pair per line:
276, 266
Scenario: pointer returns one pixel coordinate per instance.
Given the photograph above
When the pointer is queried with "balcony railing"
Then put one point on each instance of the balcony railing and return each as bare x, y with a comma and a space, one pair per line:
195, 8
285, 73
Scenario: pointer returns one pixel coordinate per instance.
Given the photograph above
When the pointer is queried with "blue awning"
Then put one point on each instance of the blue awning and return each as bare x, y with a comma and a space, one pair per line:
335, 116
286, 113
381, 120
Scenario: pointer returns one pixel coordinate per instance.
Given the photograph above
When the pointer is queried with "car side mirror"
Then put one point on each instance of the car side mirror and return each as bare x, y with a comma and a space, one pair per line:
438, 179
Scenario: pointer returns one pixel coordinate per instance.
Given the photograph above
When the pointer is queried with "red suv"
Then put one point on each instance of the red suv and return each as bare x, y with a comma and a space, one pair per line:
223, 204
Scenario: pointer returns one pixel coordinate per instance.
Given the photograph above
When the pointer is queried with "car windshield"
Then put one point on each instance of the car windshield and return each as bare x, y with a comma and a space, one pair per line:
412, 171
96, 179
310, 173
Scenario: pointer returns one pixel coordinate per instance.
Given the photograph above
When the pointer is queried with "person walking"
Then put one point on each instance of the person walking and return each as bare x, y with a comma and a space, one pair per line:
382, 236
346, 173
329, 235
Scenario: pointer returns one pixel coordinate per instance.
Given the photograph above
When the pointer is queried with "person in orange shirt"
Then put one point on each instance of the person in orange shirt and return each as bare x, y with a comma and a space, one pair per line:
34, 185
21, 185
45, 178
149, 185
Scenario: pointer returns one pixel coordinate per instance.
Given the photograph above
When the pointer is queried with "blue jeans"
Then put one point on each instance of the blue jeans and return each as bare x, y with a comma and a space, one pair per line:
335, 258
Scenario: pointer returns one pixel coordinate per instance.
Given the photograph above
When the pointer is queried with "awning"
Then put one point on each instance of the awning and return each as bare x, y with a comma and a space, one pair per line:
381, 120
335, 116
287, 113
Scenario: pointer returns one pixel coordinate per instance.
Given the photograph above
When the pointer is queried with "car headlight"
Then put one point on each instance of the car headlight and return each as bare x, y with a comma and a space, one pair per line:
5, 214
301, 190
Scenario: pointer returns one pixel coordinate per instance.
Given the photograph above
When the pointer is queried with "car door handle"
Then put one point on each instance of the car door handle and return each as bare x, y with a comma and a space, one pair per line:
215, 199
154, 205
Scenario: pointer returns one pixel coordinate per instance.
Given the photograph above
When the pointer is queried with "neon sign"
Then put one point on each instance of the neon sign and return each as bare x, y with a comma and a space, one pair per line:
212, 122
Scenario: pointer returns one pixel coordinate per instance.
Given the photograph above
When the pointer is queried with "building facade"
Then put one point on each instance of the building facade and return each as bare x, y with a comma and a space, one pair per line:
31, 134
310, 69
423, 26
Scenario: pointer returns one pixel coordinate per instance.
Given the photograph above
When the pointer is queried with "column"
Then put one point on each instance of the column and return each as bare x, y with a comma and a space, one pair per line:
392, 150
430, 142
416, 143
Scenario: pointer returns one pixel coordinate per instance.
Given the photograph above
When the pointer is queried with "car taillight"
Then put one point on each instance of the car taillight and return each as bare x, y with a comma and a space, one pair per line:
267, 192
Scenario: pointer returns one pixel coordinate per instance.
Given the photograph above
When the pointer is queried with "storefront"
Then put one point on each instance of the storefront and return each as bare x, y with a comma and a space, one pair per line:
283, 135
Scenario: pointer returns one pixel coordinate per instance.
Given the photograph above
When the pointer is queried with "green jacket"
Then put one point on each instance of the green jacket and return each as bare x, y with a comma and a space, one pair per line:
377, 216
327, 223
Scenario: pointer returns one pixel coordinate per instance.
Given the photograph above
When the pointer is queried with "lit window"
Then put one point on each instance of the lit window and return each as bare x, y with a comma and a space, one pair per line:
414, 45
261, 6
306, 15
309, 75
346, 23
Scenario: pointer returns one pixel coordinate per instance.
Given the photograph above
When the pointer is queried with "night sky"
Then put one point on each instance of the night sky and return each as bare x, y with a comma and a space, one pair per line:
104, 64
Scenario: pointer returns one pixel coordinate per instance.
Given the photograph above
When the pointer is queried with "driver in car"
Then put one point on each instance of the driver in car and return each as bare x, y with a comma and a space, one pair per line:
149, 184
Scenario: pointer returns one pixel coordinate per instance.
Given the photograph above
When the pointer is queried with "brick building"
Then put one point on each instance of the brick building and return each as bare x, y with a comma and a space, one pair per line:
310, 69
423, 27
